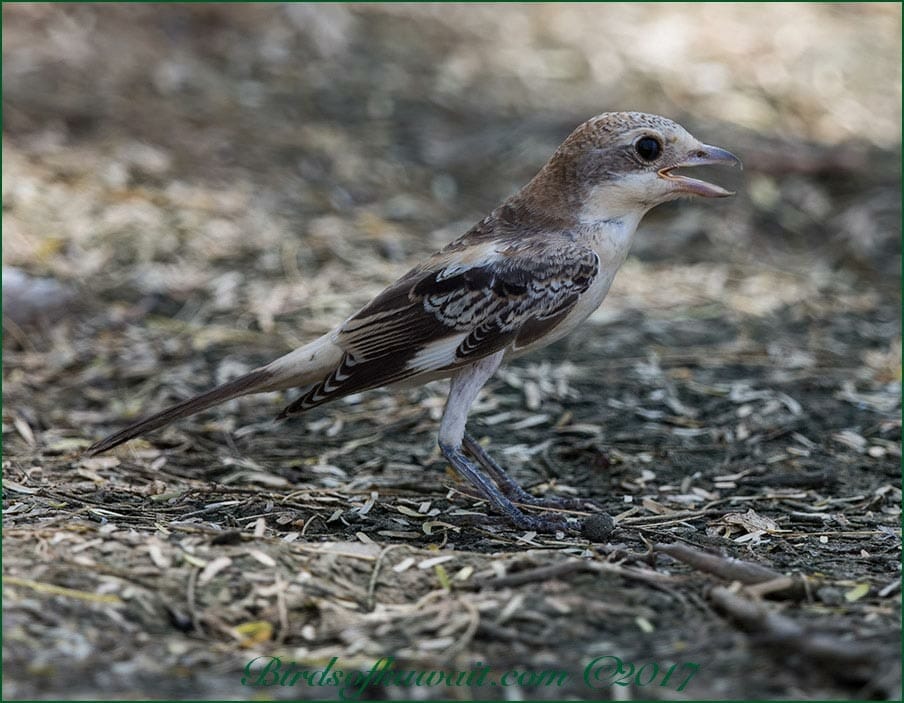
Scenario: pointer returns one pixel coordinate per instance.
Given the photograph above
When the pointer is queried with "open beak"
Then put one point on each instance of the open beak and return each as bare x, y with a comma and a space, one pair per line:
703, 156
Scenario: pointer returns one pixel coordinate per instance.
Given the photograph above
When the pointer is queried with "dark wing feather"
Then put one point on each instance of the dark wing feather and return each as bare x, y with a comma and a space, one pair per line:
515, 297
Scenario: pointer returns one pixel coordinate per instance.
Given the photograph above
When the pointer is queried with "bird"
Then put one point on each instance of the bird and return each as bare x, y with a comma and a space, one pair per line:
527, 274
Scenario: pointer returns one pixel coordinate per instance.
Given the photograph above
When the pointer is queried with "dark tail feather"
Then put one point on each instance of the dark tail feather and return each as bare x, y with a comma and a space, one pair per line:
249, 383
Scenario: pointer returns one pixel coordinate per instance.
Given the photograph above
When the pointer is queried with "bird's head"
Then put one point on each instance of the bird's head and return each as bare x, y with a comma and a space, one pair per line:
625, 163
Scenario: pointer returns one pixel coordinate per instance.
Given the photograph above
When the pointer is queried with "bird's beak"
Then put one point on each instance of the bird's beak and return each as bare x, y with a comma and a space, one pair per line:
704, 155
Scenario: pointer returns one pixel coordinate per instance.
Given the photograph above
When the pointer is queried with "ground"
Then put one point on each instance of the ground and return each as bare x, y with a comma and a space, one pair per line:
191, 191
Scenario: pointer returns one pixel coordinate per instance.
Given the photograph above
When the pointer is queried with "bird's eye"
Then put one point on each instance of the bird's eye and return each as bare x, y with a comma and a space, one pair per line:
648, 148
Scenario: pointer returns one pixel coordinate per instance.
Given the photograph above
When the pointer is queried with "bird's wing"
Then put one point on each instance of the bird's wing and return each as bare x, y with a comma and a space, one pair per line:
460, 306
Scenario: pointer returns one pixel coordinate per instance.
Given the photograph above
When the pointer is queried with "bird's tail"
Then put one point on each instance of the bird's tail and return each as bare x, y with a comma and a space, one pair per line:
298, 368
249, 383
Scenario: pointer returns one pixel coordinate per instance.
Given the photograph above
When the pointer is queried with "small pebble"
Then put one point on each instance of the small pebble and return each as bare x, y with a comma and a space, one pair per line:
597, 528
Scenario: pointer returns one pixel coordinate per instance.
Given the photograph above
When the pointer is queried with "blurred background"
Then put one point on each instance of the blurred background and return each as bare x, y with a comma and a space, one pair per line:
283, 163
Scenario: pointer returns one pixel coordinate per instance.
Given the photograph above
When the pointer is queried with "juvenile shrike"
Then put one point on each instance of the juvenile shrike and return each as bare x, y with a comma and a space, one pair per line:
524, 276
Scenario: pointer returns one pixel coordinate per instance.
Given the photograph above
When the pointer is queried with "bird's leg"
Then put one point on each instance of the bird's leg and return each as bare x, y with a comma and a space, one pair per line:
466, 384
510, 487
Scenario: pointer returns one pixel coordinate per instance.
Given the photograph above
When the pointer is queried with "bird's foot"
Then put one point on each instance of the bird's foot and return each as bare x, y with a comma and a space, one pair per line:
488, 490
515, 492
553, 502
546, 524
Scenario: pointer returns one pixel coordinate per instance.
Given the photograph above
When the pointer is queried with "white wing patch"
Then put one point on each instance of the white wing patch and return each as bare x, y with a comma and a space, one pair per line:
437, 354
479, 257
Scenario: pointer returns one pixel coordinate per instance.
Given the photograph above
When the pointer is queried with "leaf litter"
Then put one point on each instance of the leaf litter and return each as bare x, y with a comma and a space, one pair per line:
735, 404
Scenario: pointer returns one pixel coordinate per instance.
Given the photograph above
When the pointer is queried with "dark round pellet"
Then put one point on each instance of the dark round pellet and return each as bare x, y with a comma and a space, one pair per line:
597, 528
